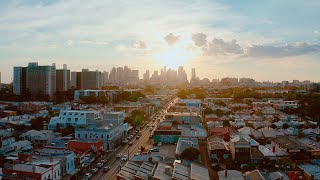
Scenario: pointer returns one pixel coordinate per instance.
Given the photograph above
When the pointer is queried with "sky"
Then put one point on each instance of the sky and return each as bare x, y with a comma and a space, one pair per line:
265, 40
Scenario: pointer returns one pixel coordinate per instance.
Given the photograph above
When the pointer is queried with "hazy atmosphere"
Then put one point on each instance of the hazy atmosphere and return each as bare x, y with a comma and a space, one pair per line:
265, 40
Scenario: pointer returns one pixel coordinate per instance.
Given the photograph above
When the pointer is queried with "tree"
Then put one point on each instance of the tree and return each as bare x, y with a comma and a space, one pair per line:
136, 118
301, 134
273, 126
58, 127
285, 126
37, 123
175, 123
67, 130
149, 89
208, 110
218, 112
110, 88
220, 103
226, 123
190, 154
182, 94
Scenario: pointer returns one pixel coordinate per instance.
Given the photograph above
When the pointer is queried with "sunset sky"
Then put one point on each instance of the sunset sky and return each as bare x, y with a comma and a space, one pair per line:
262, 39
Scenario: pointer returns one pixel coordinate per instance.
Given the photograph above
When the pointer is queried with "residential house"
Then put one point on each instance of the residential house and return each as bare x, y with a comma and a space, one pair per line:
218, 149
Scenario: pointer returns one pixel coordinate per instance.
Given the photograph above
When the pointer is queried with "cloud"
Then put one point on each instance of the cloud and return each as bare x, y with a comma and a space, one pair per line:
294, 49
316, 32
140, 45
199, 39
121, 47
221, 47
171, 39
86, 42
93, 42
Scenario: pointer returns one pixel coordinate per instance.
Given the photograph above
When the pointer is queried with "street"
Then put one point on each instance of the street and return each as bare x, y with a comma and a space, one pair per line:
114, 163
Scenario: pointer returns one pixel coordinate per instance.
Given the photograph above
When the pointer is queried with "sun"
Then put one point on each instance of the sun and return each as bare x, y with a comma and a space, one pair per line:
173, 57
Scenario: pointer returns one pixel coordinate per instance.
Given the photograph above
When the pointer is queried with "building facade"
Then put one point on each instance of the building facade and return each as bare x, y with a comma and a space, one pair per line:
19, 80
63, 79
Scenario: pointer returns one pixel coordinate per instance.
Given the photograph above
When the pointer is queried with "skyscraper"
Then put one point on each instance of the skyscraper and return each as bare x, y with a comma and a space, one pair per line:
182, 75
19, 80
119, 75
105, 78
63, 79
146, 76
73, 81
90, 79
193, 74
134, 78
112, 76
41, 79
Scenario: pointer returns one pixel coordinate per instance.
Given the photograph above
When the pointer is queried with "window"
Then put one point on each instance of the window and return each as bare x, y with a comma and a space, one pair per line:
86, 135
78, 135
101, 136
76, 119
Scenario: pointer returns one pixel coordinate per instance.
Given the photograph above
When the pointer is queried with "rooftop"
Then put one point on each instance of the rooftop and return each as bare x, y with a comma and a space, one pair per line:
29, 168
216, 142
230, 174
288, 142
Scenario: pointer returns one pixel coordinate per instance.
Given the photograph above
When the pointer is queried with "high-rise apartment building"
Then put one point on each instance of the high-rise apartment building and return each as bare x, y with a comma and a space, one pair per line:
193, 73
73, 80
146, 76
63, 79
19, 80
90, 79
112, 76
36, 79
41, 79
105, 78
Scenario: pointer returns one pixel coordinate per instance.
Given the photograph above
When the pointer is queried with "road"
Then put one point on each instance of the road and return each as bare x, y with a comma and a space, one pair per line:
114, 163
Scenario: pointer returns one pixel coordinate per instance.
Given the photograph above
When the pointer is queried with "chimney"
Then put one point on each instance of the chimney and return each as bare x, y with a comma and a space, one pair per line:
33, 168
51, 159
273, 148
226, 173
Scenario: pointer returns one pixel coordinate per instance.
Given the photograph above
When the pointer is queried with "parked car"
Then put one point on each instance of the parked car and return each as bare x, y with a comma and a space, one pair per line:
119, 155
103, 161
99, 165
154, 149
125, 142
94, 170
88, 175
130, 143
138, 137
106, 169
124, 158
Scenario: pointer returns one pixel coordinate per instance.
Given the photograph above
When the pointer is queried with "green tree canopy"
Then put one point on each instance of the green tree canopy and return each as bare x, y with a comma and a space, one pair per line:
208, 110
67, 130
190, 154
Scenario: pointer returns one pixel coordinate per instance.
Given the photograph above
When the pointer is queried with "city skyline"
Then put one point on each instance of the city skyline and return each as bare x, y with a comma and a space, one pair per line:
112, 77
218, 38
